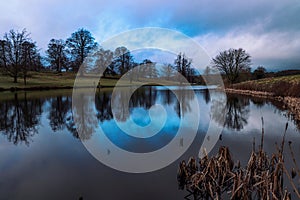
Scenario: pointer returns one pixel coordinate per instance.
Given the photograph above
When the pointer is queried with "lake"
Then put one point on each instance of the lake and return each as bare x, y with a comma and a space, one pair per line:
42, 156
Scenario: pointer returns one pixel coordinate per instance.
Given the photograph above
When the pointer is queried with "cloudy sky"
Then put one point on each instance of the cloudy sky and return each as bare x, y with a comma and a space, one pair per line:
269, 30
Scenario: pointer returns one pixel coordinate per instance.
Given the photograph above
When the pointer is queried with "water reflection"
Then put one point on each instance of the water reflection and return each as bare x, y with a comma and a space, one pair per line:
56, 164
183, 104
206, 96
19, 118
129, 109
58, 113
20, 115
103, 105
258, 102
236, 112
144, 97
86, 124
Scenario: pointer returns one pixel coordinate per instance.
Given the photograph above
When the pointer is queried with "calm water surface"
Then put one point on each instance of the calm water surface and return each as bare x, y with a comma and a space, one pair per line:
42, 157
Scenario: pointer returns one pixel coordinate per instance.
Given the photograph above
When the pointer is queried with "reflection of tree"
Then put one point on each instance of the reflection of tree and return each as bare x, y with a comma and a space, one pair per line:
19, 118
59, 109
83, 116
259, 102
144, 97
206, 96
184, 99
120, 104
168, 96
236, 112
70, 124
103, 105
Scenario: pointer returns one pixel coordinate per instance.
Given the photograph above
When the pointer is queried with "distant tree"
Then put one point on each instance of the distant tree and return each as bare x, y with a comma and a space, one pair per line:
148, 69
104, 59
38, 62
3, 61
30, 58
207, 71
80, 44
245, 75
168, 71
183, 66
259, 72
57, 55
11, 52
18, 54
231, 62
123, 60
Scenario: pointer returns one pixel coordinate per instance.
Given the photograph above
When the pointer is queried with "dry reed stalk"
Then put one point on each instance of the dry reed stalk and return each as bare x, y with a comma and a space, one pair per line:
293, 158
262, 178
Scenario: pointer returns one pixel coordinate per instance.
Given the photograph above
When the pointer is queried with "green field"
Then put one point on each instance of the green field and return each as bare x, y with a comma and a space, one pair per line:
36, 79
52, 80
279, 86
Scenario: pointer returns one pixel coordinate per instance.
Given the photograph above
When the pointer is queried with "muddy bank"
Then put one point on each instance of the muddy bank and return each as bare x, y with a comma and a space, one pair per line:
292, 104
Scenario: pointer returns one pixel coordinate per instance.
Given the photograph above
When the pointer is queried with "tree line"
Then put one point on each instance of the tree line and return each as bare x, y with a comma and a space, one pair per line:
21, 116
19, 54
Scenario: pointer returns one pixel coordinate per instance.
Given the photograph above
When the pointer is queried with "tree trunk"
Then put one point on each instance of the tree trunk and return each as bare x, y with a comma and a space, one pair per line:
15, 79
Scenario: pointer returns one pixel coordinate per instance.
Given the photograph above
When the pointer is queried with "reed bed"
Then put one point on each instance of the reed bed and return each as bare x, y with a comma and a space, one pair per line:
217, 177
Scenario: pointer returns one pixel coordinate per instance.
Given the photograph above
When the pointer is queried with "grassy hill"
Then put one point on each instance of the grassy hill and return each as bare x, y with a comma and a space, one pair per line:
279, 86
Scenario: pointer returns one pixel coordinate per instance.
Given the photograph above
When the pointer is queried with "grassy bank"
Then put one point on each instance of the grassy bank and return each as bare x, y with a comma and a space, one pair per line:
279, 86
36, 79
52, 80
285, 89
46, 80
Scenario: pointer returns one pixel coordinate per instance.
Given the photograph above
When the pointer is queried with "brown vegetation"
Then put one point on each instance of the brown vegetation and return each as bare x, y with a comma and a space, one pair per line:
217, 177
280, 86
285, 89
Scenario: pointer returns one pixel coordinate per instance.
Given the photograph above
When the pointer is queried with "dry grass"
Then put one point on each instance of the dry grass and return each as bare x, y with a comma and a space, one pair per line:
280, 86
217, 177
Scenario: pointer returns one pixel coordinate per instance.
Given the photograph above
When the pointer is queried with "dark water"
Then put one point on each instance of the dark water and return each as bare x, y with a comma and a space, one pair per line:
42, 157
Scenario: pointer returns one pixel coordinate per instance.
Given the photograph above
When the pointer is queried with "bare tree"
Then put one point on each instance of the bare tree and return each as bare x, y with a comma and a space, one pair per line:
11, 52
80, 44
148, 69
30, 58
168, 71
104, 60
183, 66
56, 54
231, 62
3, 61
18, 54
123, 60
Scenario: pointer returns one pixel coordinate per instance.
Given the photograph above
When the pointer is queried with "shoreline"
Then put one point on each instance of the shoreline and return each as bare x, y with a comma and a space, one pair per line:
35, 88
292, 104
42, 88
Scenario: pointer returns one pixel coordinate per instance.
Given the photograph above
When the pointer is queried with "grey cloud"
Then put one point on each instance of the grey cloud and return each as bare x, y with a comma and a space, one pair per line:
229, 22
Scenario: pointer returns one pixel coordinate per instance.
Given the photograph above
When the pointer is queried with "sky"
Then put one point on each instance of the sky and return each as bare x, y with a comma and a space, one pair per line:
268, 30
